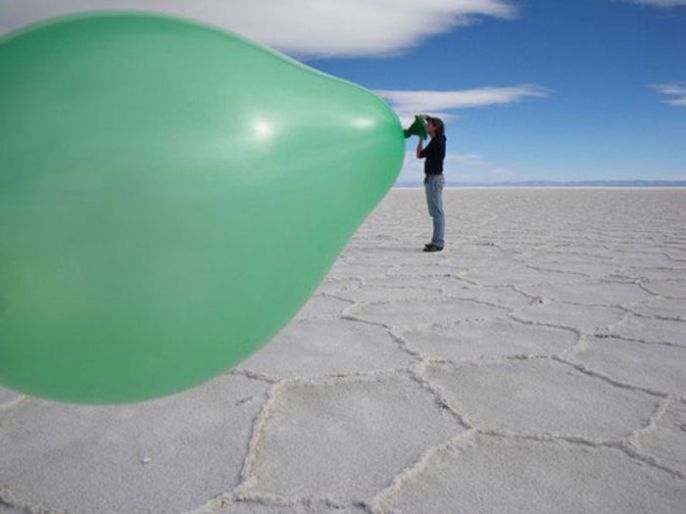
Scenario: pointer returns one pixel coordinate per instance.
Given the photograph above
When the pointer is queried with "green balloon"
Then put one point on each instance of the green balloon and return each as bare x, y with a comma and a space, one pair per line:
170, 196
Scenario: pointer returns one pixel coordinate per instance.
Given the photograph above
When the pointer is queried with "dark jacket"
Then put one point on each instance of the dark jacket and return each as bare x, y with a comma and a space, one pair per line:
434, 153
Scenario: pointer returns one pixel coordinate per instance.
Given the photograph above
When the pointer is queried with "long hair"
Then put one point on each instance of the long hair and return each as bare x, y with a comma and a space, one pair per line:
438, 124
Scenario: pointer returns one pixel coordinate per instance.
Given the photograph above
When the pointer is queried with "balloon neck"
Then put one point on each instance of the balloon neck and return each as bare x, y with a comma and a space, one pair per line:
418, 128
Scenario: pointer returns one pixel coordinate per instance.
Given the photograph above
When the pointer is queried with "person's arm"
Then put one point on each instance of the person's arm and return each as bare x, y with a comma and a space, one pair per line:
423, 152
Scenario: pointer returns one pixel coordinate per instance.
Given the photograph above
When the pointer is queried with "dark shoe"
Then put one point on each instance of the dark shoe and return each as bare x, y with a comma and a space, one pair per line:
433, 248
427, 245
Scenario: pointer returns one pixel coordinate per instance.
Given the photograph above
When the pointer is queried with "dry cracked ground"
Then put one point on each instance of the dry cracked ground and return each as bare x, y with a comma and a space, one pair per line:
537, 365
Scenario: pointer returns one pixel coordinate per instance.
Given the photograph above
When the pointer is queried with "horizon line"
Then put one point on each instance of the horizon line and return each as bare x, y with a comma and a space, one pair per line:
627, 183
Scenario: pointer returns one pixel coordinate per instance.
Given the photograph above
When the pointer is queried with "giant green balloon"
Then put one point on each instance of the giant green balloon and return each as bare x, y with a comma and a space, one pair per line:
170, 196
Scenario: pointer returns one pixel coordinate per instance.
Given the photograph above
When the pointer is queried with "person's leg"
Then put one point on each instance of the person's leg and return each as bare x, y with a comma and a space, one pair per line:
429, 197
439, 219
434, 198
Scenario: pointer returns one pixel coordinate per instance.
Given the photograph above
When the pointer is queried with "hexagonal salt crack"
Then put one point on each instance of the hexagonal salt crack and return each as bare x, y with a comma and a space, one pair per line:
334, 285
493, 474
421, 313
579, 267
662, 308
656, 367
427, 268
308, 348
652, 330
541, 396
515, 273
584, 318
347, 439
503, 296
645, 257
660, 281
666, 441
667, 287
354, 269
323, 307
438, 284
167, 455
256, 507
566, 256
592, 293
488, 339
388, 294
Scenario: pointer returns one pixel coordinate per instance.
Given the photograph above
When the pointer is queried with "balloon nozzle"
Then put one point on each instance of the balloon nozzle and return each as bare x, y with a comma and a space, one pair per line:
418, 128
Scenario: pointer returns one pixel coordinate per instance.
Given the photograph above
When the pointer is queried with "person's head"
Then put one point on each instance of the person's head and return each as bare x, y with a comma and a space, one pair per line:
435, 126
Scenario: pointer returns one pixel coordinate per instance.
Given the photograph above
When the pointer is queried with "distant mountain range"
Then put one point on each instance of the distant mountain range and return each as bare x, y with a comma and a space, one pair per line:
553, 183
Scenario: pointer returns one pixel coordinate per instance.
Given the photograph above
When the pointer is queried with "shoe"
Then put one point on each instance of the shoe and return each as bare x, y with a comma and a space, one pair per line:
433, 248
427, 245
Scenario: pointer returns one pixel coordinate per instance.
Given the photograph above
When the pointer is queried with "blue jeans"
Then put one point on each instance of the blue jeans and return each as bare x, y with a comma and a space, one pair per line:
433, 185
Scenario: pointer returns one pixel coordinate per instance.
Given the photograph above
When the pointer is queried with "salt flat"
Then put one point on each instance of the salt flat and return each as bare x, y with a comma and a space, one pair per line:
537, 365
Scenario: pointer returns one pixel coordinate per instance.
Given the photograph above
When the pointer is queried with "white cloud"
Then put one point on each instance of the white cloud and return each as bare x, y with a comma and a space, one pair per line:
439, 103
675, 93
658, 3
467, 167
305, 28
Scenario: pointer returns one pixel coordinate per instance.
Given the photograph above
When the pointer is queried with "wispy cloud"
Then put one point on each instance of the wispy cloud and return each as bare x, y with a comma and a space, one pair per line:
658, 3
303, 28
440, 103
675, 93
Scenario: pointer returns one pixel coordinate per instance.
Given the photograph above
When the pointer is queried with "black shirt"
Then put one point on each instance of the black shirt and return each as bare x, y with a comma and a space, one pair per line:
434, 154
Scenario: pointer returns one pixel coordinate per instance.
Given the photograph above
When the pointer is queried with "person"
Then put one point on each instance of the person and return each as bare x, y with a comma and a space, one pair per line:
434, 154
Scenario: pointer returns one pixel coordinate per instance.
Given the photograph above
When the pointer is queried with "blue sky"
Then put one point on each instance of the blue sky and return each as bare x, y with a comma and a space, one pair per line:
530, 89
597, 60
